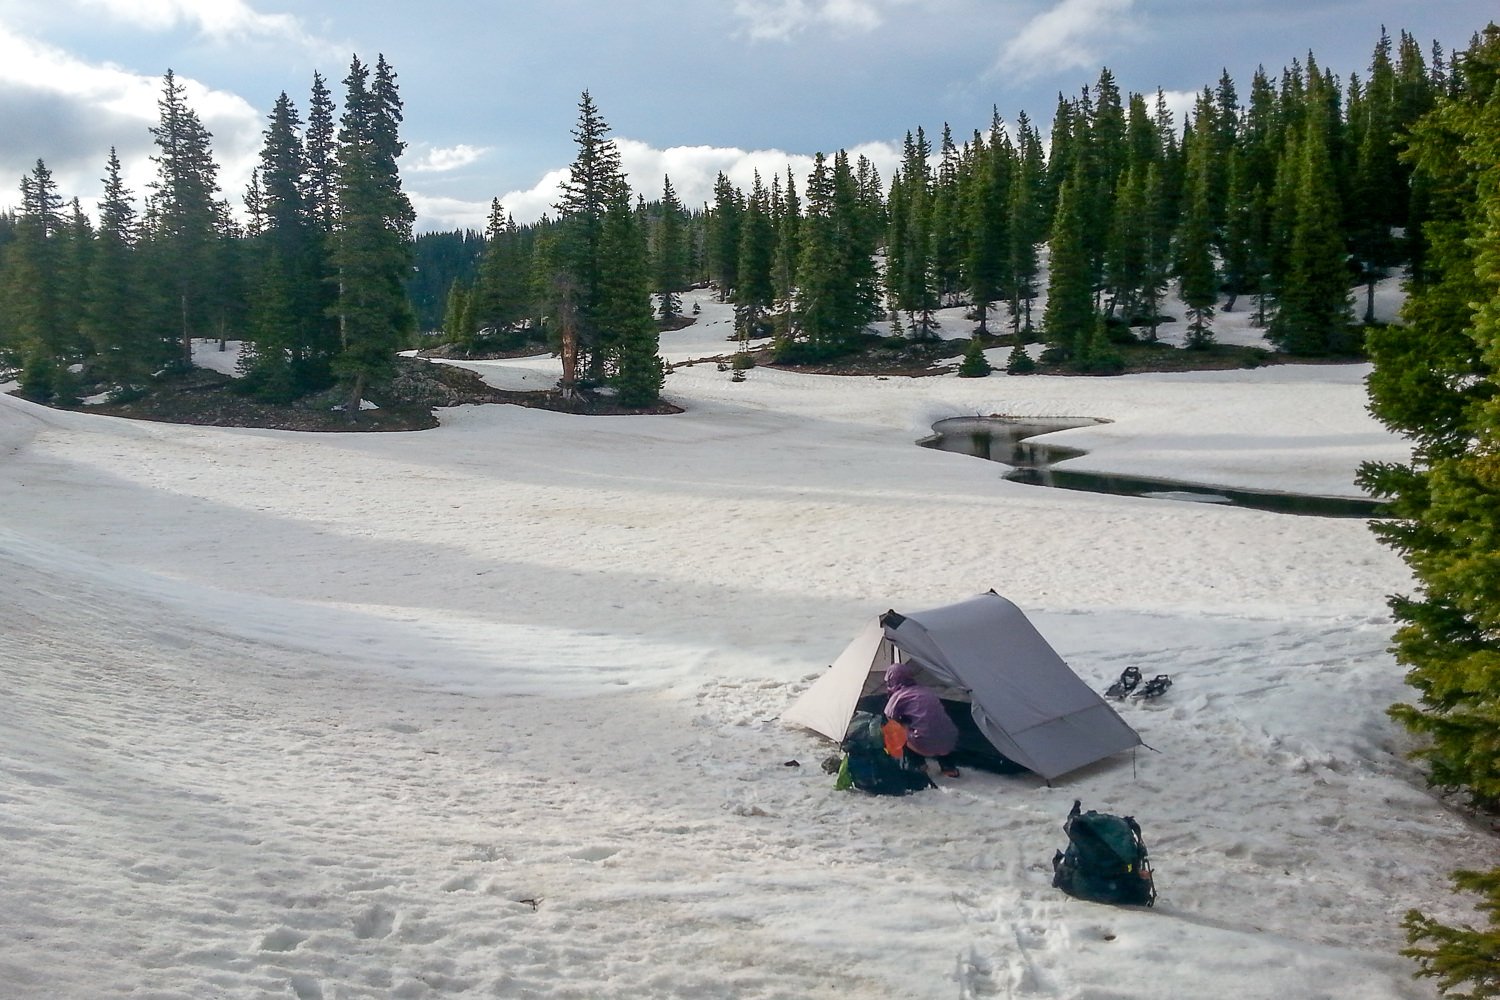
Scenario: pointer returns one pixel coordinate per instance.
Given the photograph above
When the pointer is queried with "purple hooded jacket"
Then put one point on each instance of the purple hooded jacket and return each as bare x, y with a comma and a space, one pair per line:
929, 731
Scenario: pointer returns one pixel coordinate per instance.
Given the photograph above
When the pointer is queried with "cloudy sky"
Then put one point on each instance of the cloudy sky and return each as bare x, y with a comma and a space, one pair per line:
690, 87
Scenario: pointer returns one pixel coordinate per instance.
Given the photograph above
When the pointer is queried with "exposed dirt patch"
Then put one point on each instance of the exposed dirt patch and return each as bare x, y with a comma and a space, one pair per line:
407, 403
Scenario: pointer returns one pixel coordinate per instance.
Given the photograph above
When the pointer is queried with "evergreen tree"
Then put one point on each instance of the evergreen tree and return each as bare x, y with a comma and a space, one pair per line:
986, 264
670, 257
755, 291
947, 223
911, 283
788, 253
75, 261
184, 217
592, 182
34, 285
1434, 380
724, 236
974, 364
1027, 225
837, 296
456, 317
291, 352
112, 318
1157, 246
501, 297
1312, 315
625, 313
321, 153
372, 242
1068, 321
1195, 264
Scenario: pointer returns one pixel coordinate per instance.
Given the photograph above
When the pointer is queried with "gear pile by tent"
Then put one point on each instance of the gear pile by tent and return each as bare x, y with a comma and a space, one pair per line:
975, 684
1016, 703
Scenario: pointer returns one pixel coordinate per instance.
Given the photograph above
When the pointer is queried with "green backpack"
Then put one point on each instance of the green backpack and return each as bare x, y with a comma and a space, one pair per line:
1105, 860
868, 767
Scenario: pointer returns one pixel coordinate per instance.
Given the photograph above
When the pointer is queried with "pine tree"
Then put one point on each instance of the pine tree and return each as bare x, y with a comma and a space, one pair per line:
592, 181
724, 236
1434, 380
837, 297
112, 318
1195, 264
624, 313
1068, 320
947, 252
501, 297
321, 152
987, 262
184, 217
788, 252
291, 353
34, 286
1312, 315
1156, 265
1027, 225
755, 291
372, 242
669, 260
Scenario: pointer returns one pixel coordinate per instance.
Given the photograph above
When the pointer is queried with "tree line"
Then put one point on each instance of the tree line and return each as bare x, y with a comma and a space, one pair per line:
1292, 199
312, 276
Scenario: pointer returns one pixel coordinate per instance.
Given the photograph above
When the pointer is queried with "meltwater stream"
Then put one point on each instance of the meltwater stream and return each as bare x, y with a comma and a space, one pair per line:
1007, 440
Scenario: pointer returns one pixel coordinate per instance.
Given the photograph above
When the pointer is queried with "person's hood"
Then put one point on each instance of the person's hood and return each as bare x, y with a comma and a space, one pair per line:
900, 675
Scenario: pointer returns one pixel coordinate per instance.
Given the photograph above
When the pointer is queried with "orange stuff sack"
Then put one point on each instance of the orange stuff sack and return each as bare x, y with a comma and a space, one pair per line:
895, 738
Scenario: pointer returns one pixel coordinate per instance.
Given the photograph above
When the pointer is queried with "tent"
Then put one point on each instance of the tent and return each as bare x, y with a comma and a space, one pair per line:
984, 652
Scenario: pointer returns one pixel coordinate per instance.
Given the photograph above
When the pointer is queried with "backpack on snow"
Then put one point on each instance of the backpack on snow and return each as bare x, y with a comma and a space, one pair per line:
867, 765
1105, 861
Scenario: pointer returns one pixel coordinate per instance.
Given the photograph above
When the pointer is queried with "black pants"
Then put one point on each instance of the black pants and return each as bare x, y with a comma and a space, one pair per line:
916, 760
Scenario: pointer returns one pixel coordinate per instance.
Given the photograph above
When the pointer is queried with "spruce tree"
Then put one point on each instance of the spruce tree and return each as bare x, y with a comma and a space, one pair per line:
184, 218
1434, 380
755, 290
112, 318
987, 261
624, 312
501, 297
1312, 315
372, 242
1027, 223
290, 355
947, 223
34, 285
788, 252
669, 257
1068, 321
586, 196
1195, 263
724, 236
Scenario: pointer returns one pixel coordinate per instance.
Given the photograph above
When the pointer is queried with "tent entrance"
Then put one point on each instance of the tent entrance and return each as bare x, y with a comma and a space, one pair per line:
974, 749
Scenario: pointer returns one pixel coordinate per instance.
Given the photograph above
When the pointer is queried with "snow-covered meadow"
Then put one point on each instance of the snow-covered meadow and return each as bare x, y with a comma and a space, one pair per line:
491, 710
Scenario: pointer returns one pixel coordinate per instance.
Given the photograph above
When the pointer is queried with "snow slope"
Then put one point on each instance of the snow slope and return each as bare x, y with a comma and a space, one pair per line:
491, 710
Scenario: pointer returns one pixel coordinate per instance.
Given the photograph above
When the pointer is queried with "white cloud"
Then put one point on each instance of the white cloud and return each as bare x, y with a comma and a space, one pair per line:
56, 107
219, 19
1072, 34
693, 170
781, 19
440, 159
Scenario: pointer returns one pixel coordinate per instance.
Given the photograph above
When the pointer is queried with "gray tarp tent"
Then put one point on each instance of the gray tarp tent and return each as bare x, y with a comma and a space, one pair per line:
1024, 698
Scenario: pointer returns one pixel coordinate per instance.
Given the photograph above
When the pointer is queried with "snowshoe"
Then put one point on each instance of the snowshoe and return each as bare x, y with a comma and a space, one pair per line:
1155, 687
1129, 678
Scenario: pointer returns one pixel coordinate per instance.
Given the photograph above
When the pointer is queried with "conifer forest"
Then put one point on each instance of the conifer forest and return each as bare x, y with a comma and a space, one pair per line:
1290, 196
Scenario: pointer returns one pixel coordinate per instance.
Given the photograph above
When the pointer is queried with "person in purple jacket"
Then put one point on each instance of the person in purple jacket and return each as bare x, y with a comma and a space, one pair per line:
929, 730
